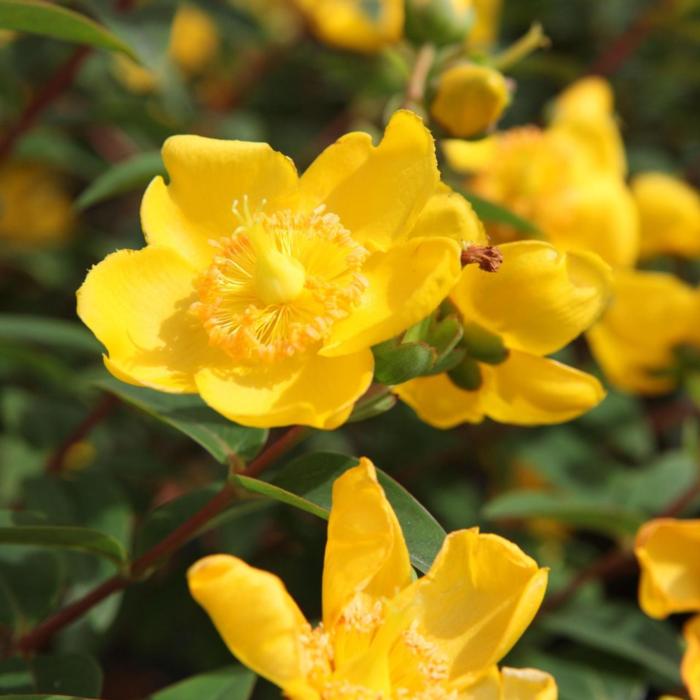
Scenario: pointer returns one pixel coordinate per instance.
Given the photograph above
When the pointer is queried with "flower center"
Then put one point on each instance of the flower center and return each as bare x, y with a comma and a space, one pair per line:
279, 283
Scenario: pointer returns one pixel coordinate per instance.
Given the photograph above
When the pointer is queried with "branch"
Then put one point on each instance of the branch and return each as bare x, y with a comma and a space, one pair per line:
42, 633
415, 90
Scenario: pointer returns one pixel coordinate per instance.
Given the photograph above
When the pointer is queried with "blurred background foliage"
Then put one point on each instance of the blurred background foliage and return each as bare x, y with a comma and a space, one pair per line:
128, 468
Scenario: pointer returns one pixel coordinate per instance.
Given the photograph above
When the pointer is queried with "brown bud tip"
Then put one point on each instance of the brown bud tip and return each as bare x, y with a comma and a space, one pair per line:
487, 257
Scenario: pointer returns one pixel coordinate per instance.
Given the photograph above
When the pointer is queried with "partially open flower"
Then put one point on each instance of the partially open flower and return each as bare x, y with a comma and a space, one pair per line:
470, 99
263, 291
505, 374
383, 634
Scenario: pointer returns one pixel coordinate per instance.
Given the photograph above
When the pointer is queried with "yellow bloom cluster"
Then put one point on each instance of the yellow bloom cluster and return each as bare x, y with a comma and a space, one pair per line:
668, 552
384, 635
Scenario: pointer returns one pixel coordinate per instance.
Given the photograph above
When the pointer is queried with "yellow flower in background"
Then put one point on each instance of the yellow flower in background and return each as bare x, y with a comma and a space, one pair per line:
566, 179
383, 634
263, 291
539, 300
470, 98
651, 313
35, 205
669, 215
356, 24
487, 18
668, 552
193, 45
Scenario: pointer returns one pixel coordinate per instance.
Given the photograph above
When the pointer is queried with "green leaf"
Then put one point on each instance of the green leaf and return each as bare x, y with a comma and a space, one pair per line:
306, 483
371, 405
47, 19
624, 631
229, 683
490, 212
123, 177
78, 538
52, 332
586, 512
54, 675
219, 436
396, 363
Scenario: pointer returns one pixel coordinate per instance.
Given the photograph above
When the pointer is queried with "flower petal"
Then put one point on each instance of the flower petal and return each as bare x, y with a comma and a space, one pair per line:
310, 390
669, 215
378, 192
366, 551
690, 666
559, 295
206, 177
469, 156
405, 285
668, 552
650, 313
254, 614
440, 402
476, 601
449, 214
528, 684
531, 390
137, 304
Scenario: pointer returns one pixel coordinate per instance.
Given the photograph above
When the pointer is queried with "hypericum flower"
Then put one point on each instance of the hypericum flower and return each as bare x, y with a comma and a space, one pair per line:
194, 42
470, 98
669, 215
487, 17
263, 291
505, 374
356, 24
562, 179
668, 552
35, 205
650, 315
384, 635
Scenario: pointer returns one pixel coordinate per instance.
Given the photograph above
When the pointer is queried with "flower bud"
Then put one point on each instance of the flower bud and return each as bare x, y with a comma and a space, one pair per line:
469, 99
439, 22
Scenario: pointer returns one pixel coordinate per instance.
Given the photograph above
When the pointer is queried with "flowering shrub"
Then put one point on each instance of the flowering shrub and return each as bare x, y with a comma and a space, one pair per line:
243, 243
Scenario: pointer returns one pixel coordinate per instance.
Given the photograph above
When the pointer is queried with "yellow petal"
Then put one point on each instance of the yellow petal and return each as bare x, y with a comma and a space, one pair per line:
206, 177
479, 596
531, 390
194, 39
528, 684
254, 614
558, 295
137, 304
441, 403
597, 216
348, 24
690, 666
377, 191
306, 390
449, 214
668, 552
405, 284
650, 313
669, 214
469, 156
589, 97
488, 687
366, 551
484, 31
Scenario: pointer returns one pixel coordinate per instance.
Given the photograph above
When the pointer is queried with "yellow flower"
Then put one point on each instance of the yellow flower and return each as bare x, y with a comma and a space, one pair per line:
584, 113
470, 98
668, 552
547, 178
35, 205
383, 635
669, 215
356, 24
651, 313
263, 291
194, 43
558, 296
487, 17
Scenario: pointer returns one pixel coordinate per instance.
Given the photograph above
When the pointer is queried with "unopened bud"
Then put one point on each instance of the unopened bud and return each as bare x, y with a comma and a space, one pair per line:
469, 99
438, 22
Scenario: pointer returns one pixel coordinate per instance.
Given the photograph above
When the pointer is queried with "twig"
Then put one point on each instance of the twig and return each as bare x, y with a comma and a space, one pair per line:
415, 90
102, 409
42, 633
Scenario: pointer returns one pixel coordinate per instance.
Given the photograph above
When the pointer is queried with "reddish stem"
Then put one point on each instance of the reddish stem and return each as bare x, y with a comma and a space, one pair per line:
42, 633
